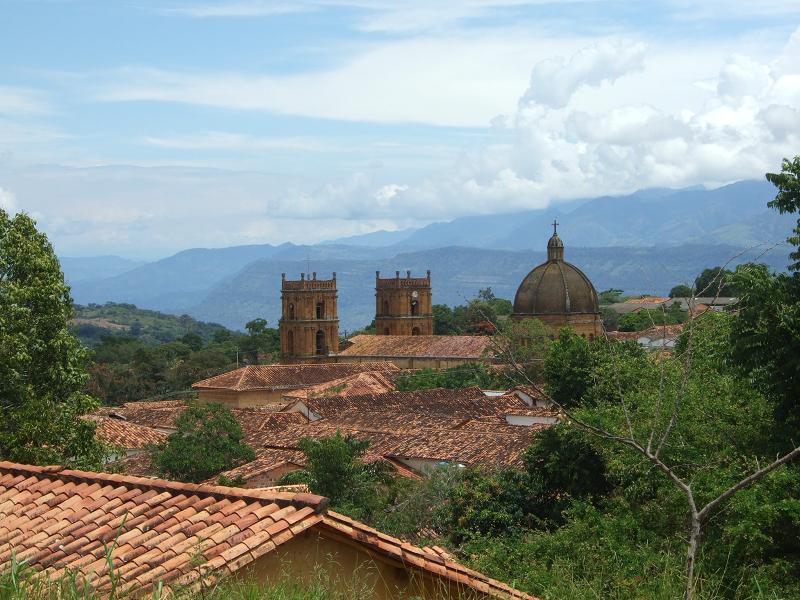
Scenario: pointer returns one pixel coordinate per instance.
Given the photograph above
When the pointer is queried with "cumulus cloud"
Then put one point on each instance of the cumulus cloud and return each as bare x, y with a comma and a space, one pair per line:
555, 80
553, 149
8, 201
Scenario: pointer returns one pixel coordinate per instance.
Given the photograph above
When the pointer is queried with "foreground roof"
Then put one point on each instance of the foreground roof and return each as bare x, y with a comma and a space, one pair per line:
59, 519
287, 377
183, 535
419, 346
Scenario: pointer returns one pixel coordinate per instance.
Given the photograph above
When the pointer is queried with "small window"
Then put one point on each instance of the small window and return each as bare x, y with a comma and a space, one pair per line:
291, 311
415, 331
385, 331
414, 308
320, 310
385, 307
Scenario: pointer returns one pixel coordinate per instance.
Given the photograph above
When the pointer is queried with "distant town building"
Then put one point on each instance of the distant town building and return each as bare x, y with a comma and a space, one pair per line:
261, 385
559, 294
403, 305
309, 327
419, 351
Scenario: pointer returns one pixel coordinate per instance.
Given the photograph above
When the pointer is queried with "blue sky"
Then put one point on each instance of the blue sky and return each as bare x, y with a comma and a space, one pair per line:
139, 128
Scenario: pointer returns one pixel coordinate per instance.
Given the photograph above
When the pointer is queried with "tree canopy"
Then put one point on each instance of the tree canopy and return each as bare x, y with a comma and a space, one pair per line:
208, 440
42, 364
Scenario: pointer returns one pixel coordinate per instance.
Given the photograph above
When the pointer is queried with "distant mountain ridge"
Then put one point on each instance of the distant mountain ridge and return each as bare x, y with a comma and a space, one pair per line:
642, 243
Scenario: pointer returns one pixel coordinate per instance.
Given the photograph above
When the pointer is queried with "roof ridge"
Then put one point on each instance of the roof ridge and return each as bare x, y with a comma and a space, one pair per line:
318, 503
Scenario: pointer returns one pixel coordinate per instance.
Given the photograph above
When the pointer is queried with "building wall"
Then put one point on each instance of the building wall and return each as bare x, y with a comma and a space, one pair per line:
234, 399
589, 326
308, 308
394, 314
351, 570
271, 477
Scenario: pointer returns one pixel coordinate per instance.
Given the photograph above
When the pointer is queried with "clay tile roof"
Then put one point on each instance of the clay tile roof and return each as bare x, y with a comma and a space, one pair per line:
124, 433
478, 442
153, 541
181, 535
647, 300
419, 346
657, 332
434, 559
370, 382
287, 377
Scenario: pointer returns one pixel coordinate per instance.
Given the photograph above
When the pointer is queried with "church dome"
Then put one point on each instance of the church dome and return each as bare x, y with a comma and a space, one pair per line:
556, 287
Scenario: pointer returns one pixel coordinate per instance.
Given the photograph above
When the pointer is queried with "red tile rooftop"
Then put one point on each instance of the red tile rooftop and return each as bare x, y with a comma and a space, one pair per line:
419, 346
62, 521
287, 377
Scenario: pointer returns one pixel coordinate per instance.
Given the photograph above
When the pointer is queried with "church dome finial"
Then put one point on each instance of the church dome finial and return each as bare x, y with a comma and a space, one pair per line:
555, 247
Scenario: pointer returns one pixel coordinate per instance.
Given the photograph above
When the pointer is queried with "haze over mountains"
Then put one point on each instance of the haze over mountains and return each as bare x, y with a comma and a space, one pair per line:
642, 243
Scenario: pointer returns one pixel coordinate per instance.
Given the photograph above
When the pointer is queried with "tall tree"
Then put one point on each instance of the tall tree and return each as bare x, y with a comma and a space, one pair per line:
42, 365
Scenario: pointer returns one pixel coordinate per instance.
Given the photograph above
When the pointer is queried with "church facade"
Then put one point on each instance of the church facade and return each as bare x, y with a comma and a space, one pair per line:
559, 294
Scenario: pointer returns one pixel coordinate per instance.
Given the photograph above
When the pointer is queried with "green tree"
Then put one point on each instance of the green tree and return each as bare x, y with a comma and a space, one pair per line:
788, 201
208, 440
681, 291
42, 364
569, 368
562, 467
610, 296
443, 320
716, 282
335, 468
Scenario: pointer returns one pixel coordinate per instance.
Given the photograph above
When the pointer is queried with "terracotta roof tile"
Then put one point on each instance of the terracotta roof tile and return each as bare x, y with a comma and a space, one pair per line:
370, 382
125, 434
151, 546
287, 377
419, 346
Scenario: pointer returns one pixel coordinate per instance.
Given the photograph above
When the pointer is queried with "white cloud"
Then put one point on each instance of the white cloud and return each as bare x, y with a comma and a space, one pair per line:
220, 140
22, 101
458, 80
555, 80
8, 201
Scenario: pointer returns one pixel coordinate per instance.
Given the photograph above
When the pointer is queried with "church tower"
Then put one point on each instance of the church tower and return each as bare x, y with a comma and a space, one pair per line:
403, 305
309, 326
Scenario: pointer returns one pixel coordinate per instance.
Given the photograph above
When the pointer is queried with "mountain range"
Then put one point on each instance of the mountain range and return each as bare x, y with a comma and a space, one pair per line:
645, 242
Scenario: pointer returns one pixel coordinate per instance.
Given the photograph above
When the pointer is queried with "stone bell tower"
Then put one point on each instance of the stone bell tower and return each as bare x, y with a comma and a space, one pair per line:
403, 305
309, 325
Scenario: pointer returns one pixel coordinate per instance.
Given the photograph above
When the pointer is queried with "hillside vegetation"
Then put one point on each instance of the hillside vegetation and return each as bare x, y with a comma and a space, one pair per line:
93, 322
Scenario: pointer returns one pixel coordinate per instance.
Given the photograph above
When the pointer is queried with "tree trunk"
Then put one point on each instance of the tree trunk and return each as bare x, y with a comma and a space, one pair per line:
694, 537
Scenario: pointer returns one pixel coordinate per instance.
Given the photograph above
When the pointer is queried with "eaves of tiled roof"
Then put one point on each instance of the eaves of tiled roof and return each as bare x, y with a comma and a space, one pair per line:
125, 434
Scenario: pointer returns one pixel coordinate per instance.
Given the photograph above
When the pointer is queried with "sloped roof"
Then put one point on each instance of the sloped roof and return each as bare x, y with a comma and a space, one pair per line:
481, 444
184, 535
657, 332
369, 382
419, 346
59, 519
287, 377
125, 434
